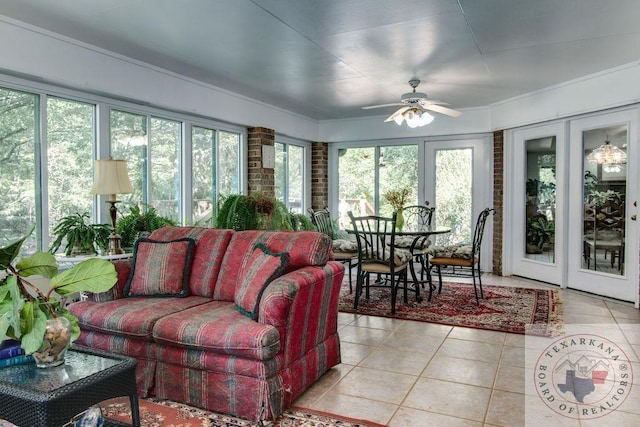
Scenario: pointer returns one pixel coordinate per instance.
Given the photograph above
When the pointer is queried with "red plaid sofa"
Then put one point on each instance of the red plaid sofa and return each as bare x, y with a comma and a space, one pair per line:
223, 341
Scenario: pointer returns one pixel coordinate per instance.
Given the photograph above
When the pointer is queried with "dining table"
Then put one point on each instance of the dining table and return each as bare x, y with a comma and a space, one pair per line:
420, 235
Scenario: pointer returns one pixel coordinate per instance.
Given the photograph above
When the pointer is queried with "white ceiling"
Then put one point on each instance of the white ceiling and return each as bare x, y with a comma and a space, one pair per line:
326, 59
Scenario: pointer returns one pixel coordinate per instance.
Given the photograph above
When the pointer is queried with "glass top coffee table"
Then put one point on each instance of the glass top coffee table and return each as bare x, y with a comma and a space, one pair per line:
49, 397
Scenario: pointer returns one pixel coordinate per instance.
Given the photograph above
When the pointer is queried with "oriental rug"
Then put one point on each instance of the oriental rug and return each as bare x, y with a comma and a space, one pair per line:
503, 308
158, 413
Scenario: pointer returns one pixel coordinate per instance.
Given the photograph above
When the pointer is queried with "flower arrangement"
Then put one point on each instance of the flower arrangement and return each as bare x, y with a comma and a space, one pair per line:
397, 198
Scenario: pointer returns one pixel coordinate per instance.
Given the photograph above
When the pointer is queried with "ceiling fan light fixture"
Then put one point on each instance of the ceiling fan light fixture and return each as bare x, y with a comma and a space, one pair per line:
415, 117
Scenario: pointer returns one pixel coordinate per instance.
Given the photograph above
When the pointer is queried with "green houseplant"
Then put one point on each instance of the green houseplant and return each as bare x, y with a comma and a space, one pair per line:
539, 231
139, 221
81, 236
257, 211
31, 316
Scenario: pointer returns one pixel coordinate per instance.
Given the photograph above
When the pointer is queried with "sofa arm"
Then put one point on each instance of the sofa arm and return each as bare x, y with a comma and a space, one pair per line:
123, 269
303, 305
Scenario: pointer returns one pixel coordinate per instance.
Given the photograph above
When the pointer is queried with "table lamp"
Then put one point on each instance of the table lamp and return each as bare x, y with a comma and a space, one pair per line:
111, 178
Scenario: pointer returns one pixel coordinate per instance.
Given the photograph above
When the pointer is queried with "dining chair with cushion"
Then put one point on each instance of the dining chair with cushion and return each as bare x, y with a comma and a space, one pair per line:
462, 256
375, 236
344, 250
417, 218
605, 233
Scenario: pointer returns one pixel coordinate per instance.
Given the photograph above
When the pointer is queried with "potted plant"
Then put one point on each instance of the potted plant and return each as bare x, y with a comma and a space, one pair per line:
81, 236
129, 227
539, 231
257, 211
40, 321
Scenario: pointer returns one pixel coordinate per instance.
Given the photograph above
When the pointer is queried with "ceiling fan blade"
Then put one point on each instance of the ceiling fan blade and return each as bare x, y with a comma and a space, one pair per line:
443, 110
397, 113
381, 105
425, 102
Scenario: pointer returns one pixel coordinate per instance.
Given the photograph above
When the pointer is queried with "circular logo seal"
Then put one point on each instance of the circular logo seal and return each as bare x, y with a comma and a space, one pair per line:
583, 376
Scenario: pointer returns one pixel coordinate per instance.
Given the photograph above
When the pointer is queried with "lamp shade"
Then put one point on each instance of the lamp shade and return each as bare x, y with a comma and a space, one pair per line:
111, 177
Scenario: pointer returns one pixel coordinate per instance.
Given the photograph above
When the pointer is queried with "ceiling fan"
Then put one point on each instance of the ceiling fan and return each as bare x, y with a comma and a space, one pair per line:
414, 108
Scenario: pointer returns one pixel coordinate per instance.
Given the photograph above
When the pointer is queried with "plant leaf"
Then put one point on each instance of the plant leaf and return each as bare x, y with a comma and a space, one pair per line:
6, 316
10, 252
42, 263
17, 303
35, 325
92, 275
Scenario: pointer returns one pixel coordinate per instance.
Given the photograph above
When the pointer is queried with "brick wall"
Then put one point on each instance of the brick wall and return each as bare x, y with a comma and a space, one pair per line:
319, 175
259, 179
498, 199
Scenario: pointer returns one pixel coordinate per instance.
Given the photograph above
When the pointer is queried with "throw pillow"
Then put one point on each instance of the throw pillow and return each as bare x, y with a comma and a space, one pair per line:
261, 268
160, 268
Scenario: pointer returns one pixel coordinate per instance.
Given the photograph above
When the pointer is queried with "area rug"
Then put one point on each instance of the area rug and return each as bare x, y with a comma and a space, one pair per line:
504, 308
166, 413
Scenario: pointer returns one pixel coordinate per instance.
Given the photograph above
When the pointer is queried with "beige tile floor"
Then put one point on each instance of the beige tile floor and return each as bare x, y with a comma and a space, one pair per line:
405, 373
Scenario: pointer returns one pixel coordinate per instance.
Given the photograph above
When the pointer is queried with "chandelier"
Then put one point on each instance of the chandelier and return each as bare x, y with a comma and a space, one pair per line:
607, 154
414, 117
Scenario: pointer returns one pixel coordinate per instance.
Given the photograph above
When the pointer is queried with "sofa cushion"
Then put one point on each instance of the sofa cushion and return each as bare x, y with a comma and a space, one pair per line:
257, 272
217, 327
305, 248
130, 317
211, 245
160, 268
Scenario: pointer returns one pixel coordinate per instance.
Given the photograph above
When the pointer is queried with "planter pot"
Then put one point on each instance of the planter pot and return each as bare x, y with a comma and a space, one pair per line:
57, 337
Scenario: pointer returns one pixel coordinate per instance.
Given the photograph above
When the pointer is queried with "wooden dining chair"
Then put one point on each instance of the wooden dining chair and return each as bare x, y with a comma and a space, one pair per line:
344, 250
375, 236
462, 256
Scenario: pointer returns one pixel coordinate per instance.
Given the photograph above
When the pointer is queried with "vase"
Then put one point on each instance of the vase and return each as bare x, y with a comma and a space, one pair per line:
57, 337
399, 220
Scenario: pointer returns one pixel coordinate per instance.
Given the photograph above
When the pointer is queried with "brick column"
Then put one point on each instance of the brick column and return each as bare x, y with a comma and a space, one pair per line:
319, 175
498, 199
259, 179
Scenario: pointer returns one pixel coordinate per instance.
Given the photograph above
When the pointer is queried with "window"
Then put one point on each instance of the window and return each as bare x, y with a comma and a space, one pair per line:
45, 177
18, 158
70, 142
215, 169
290, 176
366, 173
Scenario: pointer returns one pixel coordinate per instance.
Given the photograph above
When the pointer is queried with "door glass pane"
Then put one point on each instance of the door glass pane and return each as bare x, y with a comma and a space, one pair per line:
454, 171
18, 155
540, 188
129, 141
203, 160
398, 166
165, 167
356, 188
605, 187
280, 172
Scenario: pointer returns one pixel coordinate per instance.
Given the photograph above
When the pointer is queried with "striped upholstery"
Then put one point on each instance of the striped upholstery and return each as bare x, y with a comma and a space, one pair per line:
201, 351
160, 268
211, 244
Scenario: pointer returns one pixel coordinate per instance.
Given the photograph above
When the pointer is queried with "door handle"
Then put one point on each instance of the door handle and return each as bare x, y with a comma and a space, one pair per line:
634, 217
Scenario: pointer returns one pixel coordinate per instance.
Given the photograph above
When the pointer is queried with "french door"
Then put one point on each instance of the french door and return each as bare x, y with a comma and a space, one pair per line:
457, 181
570, 211
603, 199
537, 209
